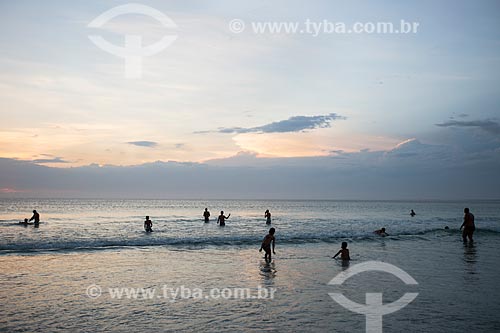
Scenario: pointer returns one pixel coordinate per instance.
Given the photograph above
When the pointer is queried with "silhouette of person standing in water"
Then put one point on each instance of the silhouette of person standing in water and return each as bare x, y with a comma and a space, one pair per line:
222, 219
148, 225
267, 215
206, 215
468, 226
412, 213
266, 244
35, 218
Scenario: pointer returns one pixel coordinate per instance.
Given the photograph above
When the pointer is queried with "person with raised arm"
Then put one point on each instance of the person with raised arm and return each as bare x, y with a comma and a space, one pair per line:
267, 215
221, 220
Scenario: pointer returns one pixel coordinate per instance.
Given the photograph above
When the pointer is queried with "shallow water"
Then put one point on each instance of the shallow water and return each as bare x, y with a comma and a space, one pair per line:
45, 274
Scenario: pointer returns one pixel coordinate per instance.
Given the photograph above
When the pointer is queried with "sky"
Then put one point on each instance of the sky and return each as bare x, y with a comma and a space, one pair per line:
251, 114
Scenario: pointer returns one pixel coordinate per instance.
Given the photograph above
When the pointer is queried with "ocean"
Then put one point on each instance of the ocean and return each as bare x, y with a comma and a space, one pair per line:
67, 273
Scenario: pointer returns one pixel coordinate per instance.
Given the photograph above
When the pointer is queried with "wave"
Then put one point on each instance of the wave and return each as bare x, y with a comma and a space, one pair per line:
200, 242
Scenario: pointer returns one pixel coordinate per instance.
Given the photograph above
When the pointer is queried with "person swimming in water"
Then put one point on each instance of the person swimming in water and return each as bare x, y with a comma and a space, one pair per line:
148, 225
267, 215
222, 219
35, 218
344, 252
412, 213
266, 244
25, 222
381, 232
206, 215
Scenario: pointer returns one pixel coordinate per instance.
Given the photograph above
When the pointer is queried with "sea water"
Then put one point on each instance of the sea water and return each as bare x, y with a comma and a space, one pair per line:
46, 272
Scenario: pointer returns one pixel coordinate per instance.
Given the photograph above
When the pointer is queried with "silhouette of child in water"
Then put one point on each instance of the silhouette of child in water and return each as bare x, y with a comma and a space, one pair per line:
344, 252
266, 244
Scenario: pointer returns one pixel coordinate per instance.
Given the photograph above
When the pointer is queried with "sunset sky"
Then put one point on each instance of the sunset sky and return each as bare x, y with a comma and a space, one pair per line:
216, 97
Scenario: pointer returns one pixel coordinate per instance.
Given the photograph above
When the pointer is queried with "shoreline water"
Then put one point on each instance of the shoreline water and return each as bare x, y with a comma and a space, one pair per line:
457, 287
45, 290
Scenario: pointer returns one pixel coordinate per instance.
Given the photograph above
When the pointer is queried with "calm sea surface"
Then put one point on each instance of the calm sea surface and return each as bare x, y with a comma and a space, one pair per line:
45, 272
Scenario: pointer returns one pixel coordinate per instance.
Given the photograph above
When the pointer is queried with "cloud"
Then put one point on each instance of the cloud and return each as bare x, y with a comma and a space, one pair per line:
359, 175
292, 124
49, 160
489, 126
420, 152
148, 144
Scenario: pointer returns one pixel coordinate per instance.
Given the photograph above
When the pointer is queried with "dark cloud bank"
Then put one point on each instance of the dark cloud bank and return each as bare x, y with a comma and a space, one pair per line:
488, 126
413, 170
292, 124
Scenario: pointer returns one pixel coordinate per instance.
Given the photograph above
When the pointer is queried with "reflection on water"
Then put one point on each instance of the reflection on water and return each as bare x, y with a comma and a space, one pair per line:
267, 270
470, 260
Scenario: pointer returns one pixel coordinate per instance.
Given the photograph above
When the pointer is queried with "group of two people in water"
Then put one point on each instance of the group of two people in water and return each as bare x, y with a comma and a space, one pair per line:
220, 220
344, 251
35, 218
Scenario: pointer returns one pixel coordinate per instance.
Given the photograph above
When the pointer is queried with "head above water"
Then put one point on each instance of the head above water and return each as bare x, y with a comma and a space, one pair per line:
221, 212
466, 210
344, 245
272, 231
206, 209
34, 211
383, 229
25, 220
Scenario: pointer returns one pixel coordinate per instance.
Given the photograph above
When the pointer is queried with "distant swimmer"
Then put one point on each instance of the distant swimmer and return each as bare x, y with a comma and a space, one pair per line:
412, 213
148, 225
222, 219
446, 228
344, 252
35, 218
266, 244
468, 225
25, 222
267, 215
381, 232
206, 215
